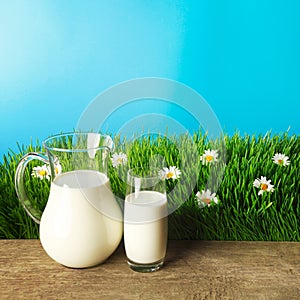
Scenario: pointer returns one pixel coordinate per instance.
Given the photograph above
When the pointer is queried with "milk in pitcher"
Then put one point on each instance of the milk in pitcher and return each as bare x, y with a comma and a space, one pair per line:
82, 223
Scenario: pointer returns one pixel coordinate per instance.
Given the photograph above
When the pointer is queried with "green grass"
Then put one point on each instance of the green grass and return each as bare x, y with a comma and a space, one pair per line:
240, 215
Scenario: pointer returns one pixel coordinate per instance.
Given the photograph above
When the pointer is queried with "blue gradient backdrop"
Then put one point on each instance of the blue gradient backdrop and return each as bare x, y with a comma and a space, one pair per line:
243, 57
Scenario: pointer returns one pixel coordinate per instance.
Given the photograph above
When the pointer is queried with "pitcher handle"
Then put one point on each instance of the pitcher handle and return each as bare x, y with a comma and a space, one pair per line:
33, 212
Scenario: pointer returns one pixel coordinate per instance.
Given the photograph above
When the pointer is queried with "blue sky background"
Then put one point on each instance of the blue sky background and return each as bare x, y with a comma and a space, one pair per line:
57, 56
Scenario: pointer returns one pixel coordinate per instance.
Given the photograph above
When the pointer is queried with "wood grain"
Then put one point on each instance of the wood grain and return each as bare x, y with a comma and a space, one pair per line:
193, 270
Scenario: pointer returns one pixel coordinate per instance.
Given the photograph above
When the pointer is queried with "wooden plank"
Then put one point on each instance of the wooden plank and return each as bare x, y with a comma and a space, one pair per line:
193, 270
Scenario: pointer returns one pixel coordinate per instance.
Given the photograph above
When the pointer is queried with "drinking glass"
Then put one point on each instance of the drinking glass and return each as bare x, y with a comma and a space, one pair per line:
145, 220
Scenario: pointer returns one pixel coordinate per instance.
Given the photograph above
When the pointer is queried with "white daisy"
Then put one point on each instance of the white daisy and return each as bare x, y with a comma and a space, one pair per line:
205, 198
209, 156
118, 159
170, 173
57, 168
41, 172
281, 159
264, 185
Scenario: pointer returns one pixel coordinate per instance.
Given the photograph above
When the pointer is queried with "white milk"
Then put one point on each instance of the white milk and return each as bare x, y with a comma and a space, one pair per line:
145, 226
72, 231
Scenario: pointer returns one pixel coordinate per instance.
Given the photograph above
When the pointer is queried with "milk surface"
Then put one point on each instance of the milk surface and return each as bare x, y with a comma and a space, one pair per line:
81, 225
145, 226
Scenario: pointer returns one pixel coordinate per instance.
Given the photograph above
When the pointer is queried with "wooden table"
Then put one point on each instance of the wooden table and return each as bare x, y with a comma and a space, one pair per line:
193, 270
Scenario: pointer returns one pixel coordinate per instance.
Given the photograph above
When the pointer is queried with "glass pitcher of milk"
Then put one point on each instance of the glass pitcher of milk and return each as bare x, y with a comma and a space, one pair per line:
81, 225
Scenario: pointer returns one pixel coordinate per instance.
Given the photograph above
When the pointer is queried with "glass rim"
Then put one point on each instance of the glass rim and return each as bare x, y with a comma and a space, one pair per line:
152, 169
67, 134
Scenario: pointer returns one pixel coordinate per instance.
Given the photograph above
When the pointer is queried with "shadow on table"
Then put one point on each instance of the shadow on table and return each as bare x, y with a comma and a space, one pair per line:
182, 250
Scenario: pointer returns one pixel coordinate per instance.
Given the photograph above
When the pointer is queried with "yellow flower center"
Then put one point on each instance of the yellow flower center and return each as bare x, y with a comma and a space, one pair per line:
119, 160
264, 186
207, 201
170, 175
209, 158
280, 161
42, 172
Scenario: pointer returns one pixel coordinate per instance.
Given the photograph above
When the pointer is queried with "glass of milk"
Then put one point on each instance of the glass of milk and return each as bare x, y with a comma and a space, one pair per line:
145, 220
